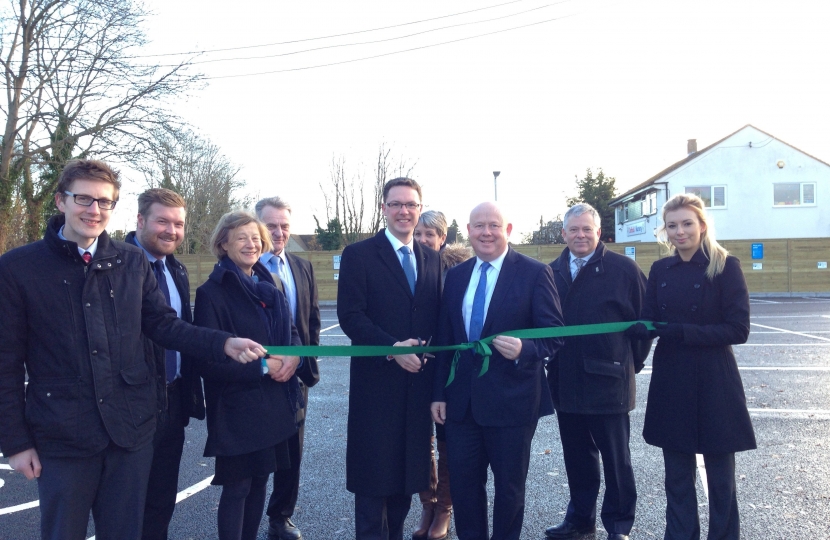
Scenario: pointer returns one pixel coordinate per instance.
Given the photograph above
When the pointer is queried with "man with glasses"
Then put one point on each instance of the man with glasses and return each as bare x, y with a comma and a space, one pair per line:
76, 307
388, 294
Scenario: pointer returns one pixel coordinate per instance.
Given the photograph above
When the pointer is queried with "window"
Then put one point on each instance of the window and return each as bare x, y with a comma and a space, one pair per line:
650, 204
633, 210
713, 196
794, 194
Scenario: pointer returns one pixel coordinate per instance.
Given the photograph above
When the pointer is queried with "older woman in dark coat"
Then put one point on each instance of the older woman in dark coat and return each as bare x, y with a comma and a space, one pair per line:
251, 407
696, 402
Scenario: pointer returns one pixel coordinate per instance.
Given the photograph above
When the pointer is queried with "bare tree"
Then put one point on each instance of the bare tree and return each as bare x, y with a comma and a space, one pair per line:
196, 169
74, 88
345, 194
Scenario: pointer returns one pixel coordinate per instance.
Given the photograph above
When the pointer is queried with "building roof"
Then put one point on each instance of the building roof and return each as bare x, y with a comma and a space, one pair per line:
692, 157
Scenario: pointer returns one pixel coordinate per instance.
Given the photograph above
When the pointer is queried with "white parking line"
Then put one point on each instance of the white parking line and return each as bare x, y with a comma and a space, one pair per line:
758, 300
4, 467
784, 344
790, 411
701, 470
19, 507
329, 328
790, 332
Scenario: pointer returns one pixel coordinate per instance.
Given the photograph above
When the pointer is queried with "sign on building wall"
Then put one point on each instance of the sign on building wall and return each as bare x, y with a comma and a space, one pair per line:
636, 228
335, 260
758, 251
631, 252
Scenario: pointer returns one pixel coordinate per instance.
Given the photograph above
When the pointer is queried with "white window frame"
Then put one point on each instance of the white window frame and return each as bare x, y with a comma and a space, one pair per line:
712, 195
801, 204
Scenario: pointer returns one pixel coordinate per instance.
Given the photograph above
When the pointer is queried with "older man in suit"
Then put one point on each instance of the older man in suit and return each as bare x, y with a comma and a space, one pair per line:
300, 288
491, 417
388, 294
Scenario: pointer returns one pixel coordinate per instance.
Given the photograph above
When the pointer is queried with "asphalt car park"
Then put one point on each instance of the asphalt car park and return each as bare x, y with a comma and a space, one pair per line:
783, 486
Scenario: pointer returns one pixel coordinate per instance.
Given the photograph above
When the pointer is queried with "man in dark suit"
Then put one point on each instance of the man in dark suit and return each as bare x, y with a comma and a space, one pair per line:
592, 377
160, 232
491, 416
388, 294
300, 288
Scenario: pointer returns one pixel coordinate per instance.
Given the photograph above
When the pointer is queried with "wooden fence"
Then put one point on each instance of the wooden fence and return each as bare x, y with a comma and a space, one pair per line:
788, 267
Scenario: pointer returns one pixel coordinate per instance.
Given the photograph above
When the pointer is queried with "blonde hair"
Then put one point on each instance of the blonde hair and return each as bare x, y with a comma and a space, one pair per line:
713, 251
229, 222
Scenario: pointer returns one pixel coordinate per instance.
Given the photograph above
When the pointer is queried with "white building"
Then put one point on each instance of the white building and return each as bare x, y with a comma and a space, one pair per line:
754, 186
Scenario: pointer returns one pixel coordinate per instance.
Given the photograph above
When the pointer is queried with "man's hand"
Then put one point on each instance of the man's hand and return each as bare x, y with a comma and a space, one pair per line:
409, 362
243, 350
26, 462
439, 411
287, 368
509, 347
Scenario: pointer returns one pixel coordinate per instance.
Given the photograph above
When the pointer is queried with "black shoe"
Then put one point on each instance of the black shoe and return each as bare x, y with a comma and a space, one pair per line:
568, 530
283, 529
617, 536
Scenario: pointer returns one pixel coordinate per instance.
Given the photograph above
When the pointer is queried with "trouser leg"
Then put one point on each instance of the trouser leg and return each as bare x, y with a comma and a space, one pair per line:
283, 498
724, 521
118, 509
682, 522
582, 467
67, 488
163, 485
611, 434
508, 450
467, 455
380, 518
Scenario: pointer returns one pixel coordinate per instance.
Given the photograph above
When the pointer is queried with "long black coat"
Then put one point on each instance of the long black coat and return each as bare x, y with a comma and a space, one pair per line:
595, 374
246, 410
192, 397
696, 401
307, 323
388, 449
78, 330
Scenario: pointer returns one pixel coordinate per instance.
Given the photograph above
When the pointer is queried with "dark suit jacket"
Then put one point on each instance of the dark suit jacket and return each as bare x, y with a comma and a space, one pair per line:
193, 399
388, 448
509, 394
307, 322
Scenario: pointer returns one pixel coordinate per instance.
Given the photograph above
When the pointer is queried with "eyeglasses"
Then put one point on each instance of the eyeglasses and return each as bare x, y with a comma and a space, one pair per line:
86, 200
411, 206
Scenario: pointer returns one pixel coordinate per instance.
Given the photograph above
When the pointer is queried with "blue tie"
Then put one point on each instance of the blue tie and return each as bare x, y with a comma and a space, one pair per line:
408, 267
170, 366
477, 315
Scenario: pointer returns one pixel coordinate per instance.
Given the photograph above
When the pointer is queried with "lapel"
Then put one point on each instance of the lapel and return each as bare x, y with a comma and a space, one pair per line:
390, 258
563, 268
300, 285
506, 275
456, 302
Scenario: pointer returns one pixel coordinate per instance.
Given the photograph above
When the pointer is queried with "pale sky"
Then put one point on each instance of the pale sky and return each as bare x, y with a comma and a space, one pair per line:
619, 85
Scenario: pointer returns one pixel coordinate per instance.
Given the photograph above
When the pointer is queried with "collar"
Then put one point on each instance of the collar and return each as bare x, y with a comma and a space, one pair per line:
698, 258
397, 244
150, 257
495, 263
586, 258
91, 249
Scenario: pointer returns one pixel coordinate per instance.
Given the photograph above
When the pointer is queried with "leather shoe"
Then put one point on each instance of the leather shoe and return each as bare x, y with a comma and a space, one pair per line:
283, 529
567, 529
617, 536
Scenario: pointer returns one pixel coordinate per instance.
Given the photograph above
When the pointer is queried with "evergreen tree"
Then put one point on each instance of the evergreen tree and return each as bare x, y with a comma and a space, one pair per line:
598, 192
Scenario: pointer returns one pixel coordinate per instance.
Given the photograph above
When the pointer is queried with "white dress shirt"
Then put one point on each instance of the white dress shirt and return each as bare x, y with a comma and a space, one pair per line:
397, 244
573, 266
492, 278
273, 263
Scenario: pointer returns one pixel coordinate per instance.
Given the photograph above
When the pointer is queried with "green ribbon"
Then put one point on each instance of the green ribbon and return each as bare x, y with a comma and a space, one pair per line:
480, 347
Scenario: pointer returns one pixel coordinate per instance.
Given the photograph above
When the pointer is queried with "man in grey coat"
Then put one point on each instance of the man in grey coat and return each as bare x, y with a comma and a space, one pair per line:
592, 377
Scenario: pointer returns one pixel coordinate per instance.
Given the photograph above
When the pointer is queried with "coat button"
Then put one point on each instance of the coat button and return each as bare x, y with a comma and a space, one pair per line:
100, 401
94, 352
88, 304
663, 284
694, 307
109, 264
697, 285
663, 306
48, 394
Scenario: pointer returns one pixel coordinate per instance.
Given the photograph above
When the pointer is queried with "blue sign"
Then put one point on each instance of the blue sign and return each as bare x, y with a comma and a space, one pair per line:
757, 251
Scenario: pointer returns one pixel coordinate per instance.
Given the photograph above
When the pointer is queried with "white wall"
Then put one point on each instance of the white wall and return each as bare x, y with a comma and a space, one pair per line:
749, 174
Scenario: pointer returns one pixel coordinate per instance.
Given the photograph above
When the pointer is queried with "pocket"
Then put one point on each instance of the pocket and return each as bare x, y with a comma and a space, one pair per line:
52, 407
141, 399
606, 382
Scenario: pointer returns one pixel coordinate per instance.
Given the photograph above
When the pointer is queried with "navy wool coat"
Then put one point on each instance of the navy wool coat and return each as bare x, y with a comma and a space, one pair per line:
246, 410
696, 401
388, 448
595, 374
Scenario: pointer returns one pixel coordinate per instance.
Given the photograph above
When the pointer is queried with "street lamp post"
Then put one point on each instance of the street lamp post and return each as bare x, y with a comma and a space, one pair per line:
496, 183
